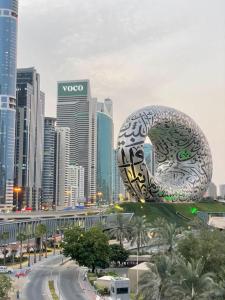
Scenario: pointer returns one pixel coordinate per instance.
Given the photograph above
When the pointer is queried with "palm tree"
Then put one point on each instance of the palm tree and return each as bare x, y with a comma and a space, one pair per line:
21, 237
4, 237
154, 281
139, 232
13, 253
46, 240
191, 283
29, 235
40, 232
167, 232
121, 229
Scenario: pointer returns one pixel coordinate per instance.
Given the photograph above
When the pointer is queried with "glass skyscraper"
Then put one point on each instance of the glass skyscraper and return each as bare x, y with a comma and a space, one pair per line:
76, 109
118, 189
149, 157
29, 137
104, 151
8, 51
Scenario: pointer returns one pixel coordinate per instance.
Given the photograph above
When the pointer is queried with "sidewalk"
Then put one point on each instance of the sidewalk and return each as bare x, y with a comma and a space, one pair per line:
18, 284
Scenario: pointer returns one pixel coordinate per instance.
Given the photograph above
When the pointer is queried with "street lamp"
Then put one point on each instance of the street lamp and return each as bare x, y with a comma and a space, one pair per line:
17, 190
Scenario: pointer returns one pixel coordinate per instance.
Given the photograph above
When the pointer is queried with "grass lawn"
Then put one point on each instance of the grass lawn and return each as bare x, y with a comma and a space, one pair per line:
171, 211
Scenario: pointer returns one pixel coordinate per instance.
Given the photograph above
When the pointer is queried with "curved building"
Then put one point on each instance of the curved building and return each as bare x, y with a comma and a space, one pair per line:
8, 50
104, 155
183, 162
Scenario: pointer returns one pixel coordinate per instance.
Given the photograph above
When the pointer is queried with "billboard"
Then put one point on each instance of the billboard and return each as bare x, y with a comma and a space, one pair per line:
73, 88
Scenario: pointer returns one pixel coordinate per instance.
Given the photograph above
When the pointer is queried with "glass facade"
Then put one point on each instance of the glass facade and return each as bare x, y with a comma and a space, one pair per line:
104, 155
149, 157
8, 46
29, 137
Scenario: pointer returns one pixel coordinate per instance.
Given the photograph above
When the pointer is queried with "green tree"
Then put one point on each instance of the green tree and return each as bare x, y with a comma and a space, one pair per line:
5, 286
29, 236
154, 282
4, 237
39, 233
118, 254
139, 232
89, 248
121, 229
21, 237
207, 244
166, 232
191, 283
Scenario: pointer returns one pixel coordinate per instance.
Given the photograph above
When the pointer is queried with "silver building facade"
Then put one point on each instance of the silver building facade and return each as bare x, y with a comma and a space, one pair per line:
8, 53
183, 161
29, 141
62, 159
48, 177
77, 111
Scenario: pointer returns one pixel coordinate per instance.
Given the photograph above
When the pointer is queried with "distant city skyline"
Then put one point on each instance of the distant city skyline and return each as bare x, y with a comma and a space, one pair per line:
164, 52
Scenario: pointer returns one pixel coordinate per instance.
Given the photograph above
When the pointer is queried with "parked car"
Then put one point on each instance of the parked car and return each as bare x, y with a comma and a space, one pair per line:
4, 269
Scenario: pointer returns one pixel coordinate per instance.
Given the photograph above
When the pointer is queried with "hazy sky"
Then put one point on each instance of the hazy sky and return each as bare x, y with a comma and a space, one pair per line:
137, 52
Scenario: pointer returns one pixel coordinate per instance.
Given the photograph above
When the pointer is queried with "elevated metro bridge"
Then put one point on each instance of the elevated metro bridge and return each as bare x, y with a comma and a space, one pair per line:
55, 222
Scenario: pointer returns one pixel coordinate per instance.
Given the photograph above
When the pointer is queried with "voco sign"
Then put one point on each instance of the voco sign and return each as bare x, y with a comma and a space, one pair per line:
73, 88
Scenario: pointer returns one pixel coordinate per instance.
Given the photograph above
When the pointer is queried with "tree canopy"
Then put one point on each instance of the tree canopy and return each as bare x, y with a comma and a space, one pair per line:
5, 286
118, 254
208, 244
89, 248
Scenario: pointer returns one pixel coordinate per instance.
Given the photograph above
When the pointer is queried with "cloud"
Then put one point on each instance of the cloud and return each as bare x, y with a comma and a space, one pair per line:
136, 52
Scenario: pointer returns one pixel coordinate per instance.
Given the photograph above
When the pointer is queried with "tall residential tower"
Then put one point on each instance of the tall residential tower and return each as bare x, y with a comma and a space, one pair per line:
48, 177
8, 51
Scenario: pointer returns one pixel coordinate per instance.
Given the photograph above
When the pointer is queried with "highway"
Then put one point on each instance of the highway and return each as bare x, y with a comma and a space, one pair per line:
67, 280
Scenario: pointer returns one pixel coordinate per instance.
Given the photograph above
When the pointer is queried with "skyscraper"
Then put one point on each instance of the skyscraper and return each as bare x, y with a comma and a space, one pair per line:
118, 188
48, 178
212, 191
62, 166
8, 51
149, 157
104, 150
29, 137
222, 190
76, 185
77, 111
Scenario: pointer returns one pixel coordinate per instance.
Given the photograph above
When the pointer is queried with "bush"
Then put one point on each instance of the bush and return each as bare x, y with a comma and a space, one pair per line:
102, 291
5, 286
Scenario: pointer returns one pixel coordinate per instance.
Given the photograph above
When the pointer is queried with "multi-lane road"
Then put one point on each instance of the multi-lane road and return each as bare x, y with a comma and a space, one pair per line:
67, 278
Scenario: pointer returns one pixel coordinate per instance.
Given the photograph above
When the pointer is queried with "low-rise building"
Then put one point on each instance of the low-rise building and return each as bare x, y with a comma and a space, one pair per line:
135, 273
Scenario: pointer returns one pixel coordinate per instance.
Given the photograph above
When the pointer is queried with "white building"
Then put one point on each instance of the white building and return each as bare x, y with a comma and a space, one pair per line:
62, 166
76, 185
212, 191
222, 190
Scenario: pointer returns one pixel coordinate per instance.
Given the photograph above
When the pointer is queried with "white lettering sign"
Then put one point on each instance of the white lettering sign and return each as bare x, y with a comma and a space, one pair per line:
73, 88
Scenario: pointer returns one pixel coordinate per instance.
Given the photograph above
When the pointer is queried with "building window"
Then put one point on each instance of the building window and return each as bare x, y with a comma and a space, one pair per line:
122, 291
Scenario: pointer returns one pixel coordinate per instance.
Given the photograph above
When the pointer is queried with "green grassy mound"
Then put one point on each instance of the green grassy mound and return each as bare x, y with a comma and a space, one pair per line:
179, 213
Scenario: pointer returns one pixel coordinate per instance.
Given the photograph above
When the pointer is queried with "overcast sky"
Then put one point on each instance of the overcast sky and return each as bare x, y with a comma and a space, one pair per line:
137, 52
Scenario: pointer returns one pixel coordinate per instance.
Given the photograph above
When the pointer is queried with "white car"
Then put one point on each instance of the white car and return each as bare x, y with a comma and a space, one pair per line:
4, 269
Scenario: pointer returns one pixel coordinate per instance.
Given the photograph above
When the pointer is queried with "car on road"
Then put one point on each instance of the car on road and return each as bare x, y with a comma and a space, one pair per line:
4, 269
22, 273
